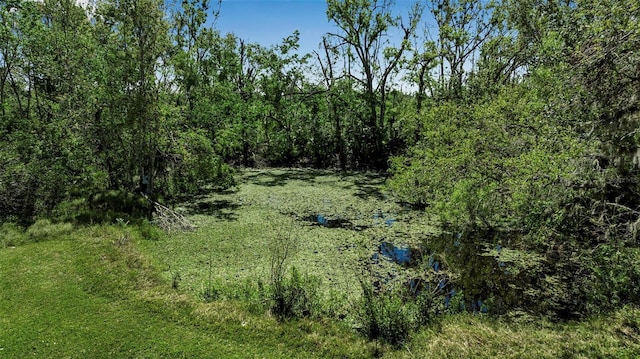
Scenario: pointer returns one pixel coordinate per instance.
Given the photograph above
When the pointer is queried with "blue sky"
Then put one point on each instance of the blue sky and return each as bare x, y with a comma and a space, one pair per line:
267, 22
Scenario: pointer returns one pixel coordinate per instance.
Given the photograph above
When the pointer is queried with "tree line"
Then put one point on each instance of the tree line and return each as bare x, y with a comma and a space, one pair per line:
520, 135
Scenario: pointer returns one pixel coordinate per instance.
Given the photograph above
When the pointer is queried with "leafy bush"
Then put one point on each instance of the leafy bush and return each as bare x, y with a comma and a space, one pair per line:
513, 189
125, 203
194, 163
149, 231
428, 307
613, 279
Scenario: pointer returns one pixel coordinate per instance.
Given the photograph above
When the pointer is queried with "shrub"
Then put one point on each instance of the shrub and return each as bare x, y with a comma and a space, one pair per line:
254, 294
124, 204
385, 316
428, 307
295, 296
525, 207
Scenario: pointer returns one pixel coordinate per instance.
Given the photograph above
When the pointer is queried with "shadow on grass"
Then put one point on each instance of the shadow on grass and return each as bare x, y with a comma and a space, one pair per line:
273, 178
221, 209
205, 194
369, 186
364, 185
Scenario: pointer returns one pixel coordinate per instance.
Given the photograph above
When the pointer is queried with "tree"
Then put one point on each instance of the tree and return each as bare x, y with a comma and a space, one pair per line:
137, 39
463, 27
45, 118
532, 178
281, 82
364, 26
327, 62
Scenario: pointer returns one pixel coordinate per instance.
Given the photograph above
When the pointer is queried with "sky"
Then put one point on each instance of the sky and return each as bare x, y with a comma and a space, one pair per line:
267, 22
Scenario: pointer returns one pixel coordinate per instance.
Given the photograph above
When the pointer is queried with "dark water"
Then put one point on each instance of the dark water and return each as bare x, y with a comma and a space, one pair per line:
387, 219
407, 256
324, 221
400, 255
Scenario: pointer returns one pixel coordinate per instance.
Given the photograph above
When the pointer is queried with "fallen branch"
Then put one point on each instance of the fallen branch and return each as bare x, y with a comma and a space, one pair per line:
168, 219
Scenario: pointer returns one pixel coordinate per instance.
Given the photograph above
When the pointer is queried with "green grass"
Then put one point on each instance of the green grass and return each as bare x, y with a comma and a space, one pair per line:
467, 336
90, 294
106, 291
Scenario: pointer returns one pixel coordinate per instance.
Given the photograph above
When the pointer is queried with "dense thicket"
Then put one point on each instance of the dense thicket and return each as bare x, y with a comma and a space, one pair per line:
531, 166
520, 135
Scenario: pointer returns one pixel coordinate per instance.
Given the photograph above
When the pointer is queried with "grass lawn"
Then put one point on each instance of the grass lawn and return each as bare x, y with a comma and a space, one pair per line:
92, 295
106, 291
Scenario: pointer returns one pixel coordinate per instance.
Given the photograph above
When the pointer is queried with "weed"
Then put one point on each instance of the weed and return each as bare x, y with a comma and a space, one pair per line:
295, 296
456, 303
429, 306
210, 293
335, 304
175, 280
254, 294
149, 231
385, 316
281, 250
123, 239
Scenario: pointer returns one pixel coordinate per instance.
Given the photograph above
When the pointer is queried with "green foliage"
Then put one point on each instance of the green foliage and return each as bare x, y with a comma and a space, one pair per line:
196, 165
17, 200
210, 293
487, 163
535, 175
364, 27
295, 296
43, 229
506, 172
111, 205
11, 235
79, 274
521, 141
607, 286
385, 316
148, 231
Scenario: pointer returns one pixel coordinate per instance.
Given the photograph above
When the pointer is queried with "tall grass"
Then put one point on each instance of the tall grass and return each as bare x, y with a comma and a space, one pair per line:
12, 235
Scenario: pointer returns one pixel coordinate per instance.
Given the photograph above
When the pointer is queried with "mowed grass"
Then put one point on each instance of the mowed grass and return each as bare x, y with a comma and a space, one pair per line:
107, 291
91, 294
